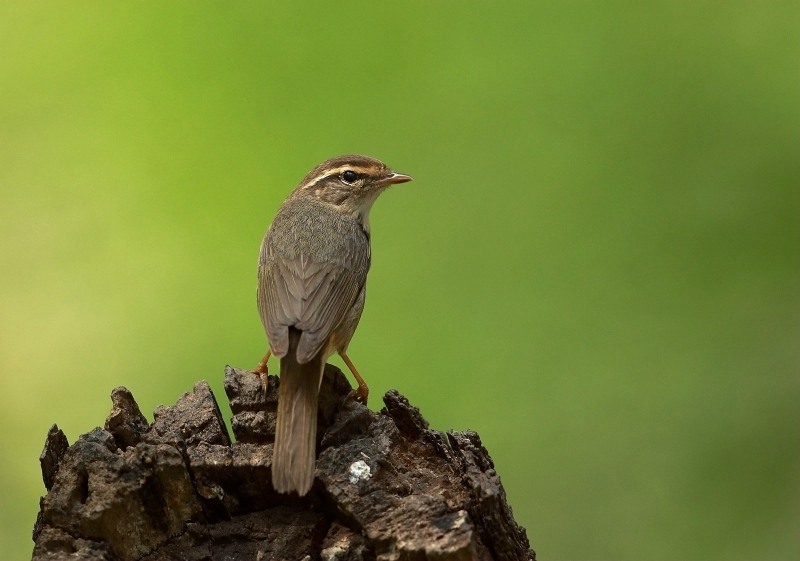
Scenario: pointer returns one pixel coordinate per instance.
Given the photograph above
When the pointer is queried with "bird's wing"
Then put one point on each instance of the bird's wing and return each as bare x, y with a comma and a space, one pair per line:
309, 295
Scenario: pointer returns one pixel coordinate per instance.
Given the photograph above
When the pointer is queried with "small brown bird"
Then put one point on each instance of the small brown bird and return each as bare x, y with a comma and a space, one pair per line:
312, 274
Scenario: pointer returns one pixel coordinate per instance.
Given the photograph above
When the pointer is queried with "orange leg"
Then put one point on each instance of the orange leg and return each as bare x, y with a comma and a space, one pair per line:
262, 371
362, 393
262, 366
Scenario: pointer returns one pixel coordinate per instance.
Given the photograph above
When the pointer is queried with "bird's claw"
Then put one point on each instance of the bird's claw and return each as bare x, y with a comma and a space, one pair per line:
360, 394
262, 372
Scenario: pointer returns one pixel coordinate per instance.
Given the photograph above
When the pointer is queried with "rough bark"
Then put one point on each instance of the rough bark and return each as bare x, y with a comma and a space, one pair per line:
386, 487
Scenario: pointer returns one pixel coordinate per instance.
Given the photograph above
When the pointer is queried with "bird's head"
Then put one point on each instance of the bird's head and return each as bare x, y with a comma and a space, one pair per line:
349, 183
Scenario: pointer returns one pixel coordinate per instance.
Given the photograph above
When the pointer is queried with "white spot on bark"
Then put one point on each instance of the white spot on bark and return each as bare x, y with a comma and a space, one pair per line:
359, 471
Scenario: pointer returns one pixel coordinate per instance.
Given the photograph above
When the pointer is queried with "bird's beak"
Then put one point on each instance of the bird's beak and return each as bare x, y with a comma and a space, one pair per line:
395, 178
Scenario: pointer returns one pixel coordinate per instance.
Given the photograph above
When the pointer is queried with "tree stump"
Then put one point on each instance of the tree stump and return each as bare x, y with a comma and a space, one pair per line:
386, 486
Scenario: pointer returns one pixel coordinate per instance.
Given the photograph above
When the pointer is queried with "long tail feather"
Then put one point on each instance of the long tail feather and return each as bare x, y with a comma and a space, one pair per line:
294, 456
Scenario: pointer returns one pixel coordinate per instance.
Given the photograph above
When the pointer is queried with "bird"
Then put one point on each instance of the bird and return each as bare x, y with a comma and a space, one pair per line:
312, 274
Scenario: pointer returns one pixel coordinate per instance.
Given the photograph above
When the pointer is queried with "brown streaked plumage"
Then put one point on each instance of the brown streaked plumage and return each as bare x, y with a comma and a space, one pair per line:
312, 273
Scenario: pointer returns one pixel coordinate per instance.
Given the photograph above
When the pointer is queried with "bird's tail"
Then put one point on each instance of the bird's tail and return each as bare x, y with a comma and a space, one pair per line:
294, 458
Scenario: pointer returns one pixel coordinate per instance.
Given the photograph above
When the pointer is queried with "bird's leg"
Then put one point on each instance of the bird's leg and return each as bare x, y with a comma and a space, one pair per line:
262, 371
362, 393
262, 366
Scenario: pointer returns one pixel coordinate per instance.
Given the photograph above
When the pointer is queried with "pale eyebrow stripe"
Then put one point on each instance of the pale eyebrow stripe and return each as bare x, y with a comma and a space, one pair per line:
335, 171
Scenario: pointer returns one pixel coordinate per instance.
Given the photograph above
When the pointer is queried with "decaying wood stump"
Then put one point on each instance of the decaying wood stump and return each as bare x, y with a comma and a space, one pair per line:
386, 486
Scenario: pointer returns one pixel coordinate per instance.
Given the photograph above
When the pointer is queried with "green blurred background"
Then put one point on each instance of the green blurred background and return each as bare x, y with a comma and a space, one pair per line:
596, 266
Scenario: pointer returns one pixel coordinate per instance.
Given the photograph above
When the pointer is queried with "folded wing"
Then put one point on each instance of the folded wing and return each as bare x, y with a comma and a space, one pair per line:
310, 295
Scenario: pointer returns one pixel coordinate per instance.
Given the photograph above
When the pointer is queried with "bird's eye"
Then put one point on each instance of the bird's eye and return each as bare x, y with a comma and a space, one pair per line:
349, 176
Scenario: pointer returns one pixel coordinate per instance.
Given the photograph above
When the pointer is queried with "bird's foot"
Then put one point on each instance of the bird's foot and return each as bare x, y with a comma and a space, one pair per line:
263, 372
360, 394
